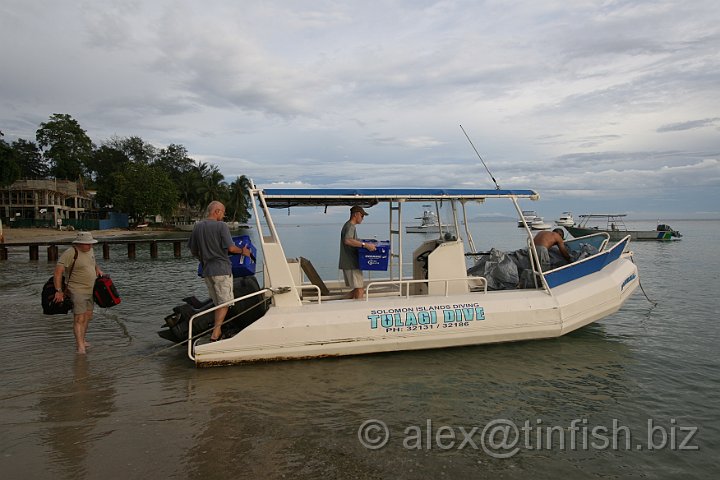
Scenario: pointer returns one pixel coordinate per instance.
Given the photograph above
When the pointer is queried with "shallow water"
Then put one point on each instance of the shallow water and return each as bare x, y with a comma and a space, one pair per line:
135, 406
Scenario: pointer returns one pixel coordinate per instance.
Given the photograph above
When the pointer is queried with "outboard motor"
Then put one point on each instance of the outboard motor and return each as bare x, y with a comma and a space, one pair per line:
239, 316
247, 311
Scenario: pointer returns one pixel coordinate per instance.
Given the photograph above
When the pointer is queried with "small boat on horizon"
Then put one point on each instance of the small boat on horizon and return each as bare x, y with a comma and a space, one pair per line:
237, 225
429, 223
539, 224
533, 221
615, 227
565, 220
528, 216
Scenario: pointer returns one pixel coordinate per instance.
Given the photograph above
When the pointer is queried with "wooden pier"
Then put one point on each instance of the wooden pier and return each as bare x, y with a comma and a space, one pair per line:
52, 247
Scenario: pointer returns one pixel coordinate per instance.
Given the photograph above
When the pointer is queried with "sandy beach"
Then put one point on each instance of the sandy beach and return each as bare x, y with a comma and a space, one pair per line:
23, 235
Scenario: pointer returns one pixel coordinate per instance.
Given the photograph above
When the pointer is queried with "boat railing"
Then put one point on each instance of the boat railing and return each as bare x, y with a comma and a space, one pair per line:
598, 240
587, 265
312, 287
191, 344
406, 284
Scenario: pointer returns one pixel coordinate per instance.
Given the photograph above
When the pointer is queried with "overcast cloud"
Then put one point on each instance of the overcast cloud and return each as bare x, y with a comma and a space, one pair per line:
597, 105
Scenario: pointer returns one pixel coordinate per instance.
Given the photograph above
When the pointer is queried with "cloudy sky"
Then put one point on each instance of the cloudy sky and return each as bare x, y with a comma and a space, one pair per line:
597, 105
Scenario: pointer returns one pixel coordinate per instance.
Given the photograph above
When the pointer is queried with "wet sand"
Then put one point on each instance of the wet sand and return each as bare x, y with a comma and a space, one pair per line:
23, 235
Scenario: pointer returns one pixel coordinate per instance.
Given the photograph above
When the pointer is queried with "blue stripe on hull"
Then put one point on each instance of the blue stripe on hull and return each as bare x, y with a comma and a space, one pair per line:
585, 267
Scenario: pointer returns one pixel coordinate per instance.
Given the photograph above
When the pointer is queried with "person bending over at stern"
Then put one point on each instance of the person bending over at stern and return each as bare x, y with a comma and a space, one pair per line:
81, 273
349, 245
210, 242
544, 240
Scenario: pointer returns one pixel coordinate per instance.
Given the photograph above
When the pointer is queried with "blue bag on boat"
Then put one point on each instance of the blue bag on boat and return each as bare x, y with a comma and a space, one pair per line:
242, 265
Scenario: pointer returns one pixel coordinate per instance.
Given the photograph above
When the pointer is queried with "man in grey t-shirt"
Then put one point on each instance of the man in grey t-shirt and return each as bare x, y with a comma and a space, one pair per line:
349, 245
210, 242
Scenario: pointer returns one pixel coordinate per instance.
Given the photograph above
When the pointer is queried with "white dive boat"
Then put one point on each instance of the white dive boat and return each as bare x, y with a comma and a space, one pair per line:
429, 302
565, 220
429, 223
614, 225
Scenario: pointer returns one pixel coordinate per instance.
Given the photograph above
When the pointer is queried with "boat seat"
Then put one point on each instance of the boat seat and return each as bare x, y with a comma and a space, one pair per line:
313, 276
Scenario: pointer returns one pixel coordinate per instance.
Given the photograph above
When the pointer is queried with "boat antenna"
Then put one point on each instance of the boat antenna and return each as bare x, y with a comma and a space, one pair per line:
497, 187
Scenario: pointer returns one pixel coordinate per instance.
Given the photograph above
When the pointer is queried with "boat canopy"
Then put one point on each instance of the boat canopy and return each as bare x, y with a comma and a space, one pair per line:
291, 197
603, 215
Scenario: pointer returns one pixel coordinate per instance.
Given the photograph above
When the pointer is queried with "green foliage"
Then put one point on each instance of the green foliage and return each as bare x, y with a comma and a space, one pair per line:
238, 205
105, 162
129, 174
134, 148
9, 169
28, 157
211, 186
174, 161
142, 190
66, 146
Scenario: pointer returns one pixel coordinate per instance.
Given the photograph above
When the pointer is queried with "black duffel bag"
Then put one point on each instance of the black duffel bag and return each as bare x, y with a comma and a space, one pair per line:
49, 305
47, 297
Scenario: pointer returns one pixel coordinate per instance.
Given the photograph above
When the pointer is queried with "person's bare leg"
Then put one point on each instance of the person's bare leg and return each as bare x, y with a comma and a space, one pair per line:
80, 326
88, 317
219, 318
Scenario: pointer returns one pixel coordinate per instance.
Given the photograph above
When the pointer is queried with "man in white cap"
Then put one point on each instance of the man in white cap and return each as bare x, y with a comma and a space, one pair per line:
79, 263
349, 245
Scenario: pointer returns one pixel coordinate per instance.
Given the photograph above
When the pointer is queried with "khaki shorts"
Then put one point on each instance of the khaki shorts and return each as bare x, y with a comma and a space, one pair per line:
220, 288
82, 302
354, 278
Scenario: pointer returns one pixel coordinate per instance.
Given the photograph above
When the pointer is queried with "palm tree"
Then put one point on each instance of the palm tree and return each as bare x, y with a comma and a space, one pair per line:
239, 202
211, 185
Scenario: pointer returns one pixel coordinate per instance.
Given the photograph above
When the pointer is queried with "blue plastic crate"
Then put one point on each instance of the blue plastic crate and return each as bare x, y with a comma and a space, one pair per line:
242, 266
377, 260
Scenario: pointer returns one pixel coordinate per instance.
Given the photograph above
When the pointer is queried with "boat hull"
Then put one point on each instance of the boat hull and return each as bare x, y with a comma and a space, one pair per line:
348, 327
540, 226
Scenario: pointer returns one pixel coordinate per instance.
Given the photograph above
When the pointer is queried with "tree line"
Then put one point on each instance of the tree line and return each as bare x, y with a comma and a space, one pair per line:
129, 174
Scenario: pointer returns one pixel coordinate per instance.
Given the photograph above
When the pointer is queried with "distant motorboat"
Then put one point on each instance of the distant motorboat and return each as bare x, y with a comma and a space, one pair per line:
533, 220
539, 224
615, 227
565, 220
529, 216
237, 225
428, 224
185, 226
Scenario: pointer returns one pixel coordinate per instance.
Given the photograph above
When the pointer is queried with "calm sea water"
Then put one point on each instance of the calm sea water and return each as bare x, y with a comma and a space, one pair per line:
136, 407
